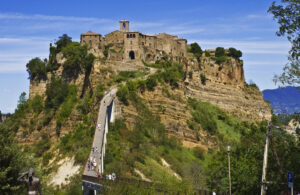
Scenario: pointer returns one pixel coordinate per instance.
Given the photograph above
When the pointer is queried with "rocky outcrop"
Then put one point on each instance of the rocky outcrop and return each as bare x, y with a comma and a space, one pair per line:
220, 84
224, 86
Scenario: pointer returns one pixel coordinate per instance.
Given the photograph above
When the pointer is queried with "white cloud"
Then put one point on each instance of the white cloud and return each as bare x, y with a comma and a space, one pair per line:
258, 16
16, 52
263, 63
18, 16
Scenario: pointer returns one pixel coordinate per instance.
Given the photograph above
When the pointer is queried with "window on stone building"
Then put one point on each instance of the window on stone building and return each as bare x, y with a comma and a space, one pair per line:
127, 35
130, 35
130, 42
133, 35
124, 26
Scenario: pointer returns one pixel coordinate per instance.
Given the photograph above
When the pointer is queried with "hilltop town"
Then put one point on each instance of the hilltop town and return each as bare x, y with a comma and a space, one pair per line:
133, 45
206, 78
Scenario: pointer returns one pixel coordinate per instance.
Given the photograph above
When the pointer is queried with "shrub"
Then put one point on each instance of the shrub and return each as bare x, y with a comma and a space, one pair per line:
198, 152
203, 78
105, 52
78, 142
36, 68
100, 91
42, 146
37, 104
47, 118
67, 106
123, 94
52, 63
234, 53
151, 83
221, 59
141, 85
172, 74
193, 125
56, 92
220, 51
62, 42
203, 113
196, 50
207, 54
126, 75
77, 57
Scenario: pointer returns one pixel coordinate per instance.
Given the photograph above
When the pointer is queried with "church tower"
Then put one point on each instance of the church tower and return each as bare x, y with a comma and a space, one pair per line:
124, 25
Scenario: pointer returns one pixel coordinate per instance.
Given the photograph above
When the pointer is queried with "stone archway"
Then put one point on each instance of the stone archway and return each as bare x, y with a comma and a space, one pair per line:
132, 55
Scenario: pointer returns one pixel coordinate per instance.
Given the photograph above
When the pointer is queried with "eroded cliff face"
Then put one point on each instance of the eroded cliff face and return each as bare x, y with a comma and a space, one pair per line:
172, 108
220, 84
225, 87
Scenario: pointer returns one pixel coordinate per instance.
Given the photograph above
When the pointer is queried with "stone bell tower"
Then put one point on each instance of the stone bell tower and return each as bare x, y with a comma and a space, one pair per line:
124, 25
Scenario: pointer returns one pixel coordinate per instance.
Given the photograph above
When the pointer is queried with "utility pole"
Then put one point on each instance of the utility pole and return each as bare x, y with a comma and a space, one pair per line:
229, 174
265, 163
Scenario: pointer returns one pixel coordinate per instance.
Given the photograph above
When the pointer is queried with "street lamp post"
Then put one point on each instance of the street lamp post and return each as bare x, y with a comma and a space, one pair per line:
229, 174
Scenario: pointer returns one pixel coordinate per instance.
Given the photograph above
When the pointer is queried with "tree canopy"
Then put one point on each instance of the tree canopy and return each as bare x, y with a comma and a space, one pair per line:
196, 50
287, 14
77, 57
63, 41
36, 68
220, 51
234, 53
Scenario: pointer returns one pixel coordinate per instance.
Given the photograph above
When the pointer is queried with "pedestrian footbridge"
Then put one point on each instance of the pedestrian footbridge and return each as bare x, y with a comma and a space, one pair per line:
95, 164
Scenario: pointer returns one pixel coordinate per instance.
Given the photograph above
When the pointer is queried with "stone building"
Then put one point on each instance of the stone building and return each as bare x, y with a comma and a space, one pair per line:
124, 44
92, 39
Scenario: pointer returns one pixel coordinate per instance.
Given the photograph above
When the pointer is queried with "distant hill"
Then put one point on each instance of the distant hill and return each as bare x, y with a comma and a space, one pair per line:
285, 99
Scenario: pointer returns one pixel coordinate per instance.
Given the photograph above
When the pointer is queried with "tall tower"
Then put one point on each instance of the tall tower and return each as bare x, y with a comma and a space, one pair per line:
124, 25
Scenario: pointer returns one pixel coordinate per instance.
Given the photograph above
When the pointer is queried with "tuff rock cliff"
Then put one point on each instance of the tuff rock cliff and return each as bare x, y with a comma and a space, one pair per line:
221, 84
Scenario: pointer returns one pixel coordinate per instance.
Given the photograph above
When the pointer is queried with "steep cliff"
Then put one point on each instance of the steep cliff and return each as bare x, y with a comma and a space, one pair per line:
224, 86
221, 84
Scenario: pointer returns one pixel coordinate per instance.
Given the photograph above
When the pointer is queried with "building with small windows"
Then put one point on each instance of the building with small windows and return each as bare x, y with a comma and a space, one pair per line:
127, 45
92, 39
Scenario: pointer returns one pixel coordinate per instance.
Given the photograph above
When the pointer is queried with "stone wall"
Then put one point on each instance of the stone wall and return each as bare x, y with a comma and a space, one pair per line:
114, 37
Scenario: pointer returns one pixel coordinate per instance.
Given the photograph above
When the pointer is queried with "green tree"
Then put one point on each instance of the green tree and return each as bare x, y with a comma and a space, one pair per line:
77, 57
37, 104
234, 53
56, 92
196, 50
63, 41
12, 162
220, 51
151, 83
123, 94
36, 68
287, 15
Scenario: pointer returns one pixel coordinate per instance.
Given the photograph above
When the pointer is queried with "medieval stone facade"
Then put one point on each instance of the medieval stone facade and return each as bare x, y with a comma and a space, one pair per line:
124, 44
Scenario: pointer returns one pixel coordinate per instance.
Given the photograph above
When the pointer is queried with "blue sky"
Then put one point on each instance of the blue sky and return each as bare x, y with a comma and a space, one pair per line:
27, 28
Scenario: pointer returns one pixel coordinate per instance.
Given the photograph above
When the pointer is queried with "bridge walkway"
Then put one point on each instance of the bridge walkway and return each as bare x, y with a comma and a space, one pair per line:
98, 146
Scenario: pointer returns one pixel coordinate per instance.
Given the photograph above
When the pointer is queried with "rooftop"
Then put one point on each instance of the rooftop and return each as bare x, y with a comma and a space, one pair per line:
90, 33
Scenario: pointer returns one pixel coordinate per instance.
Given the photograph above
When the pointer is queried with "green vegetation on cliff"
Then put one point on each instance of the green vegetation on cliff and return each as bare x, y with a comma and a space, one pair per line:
142, 150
